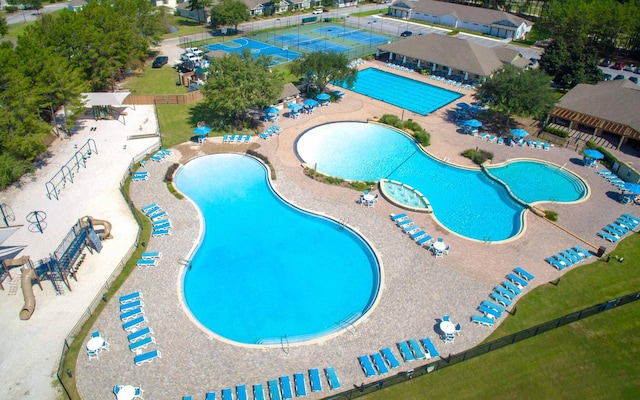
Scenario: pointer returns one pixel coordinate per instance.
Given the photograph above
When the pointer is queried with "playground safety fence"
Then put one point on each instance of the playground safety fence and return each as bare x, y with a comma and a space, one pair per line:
100, 296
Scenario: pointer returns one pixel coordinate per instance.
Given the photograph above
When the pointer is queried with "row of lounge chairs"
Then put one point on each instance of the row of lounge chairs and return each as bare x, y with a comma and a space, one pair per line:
504, 294
612, 178
380, 362
420, 236
355, 63
280, 388
149, 259
399, 67
161, 225
139, 338
140, 176
236, 138
620, 227
160, 155
270, 131
568, 257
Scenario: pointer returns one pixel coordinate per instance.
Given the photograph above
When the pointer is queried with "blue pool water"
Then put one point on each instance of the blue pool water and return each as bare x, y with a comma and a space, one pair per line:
467, 202
418, 97
264, 269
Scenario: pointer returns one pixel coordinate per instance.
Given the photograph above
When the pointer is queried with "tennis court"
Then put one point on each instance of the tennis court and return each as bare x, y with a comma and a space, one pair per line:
278, 55
359, 35
306, 43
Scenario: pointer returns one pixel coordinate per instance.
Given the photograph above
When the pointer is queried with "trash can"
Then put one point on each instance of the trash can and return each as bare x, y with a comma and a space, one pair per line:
601, 251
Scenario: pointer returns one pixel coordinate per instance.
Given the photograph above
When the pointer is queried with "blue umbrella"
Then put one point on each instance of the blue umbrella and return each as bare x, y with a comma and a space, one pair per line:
519, 132
474, 123
632, 187
323, 97
463, 106
271, 110
592, 153
202, 130
310, 103
295, 107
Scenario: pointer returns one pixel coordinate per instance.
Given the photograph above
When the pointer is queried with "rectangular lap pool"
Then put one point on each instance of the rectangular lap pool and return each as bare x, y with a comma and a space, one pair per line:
418, 97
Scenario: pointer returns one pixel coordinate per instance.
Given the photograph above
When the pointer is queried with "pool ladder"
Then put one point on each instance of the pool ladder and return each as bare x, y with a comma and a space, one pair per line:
284, 344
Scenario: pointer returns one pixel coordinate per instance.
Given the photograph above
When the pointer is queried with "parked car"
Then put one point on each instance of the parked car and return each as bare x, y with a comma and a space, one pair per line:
630, 68
160, 61
317, 11
618, 65
189, 57
406, 34
637, 71
633, 79
618, 77
606, 63
607, 77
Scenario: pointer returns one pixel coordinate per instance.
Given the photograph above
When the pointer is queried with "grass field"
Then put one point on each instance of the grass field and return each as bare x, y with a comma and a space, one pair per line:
593, 358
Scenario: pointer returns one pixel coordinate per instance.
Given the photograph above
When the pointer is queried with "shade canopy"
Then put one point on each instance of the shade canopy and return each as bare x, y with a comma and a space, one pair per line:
295, 107
202, 130
271, 110
463, 106
593, 153
632, 187
519, 132
474, 123
310, 103
323, 97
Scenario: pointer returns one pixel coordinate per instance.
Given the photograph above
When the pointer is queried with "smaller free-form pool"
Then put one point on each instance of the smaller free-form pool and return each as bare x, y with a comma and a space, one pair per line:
418, 97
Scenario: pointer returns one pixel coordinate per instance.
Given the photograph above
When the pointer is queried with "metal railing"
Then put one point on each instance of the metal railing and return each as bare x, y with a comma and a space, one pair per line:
485, 348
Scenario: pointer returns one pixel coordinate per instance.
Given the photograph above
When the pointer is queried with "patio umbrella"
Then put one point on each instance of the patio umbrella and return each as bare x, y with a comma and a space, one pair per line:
474, 123
310, 103
295, 107
519, 132
323, 97
632, 187
463, 106
202, 130
271, 110
592, 153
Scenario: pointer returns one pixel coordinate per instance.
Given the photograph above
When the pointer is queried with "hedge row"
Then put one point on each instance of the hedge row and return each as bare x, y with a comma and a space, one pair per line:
419, 134
556, 131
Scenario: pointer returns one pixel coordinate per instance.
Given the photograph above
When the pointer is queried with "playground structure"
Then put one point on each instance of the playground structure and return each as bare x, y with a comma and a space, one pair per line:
66, 172
64, 261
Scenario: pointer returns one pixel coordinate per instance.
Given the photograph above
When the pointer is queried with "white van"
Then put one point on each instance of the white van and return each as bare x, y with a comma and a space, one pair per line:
317, 11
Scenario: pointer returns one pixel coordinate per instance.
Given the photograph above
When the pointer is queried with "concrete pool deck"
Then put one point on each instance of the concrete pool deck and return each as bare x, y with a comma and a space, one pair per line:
418, 289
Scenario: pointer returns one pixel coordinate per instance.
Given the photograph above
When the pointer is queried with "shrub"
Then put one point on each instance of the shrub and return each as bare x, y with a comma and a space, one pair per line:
168, 176
453, 32
556, 131
478, 156
551, 215
11, 9
423, 137
412, 125
391, 120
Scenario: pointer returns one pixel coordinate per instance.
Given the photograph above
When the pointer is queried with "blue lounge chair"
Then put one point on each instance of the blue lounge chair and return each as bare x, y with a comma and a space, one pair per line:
425, 241
160, 232
430, 348
500, 141
404, 222
332, 377
239, 138
285, 383
366, 366
157, 227
159, 214
247, 138
210, 396
301, 387
396, 217
555, 263
545, 146
511, 287
517, 280
146, 262
227, 394
187, 398
633, 218
524, 274
621, 228
626, 223
241, 392
491, 139
225, 138
141, 344
608, 237
151, 254
615, 230
493, 305
410, 228
501, 299
146, 357
405, 351
576, 256
504, 292
128, 298
483, 136
131, 314
264, 136
482, 320
604, 172
415, 347
148, 207
139, 334
563, 260
274, 390
133, 304
378, 361
445, 318
584, 253
314, 378
489, 312
391, 359
151, 210
127, 326
258, 392
95, 334
418, 234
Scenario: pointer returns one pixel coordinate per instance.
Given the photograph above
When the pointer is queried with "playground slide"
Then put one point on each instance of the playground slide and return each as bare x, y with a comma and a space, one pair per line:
106, 234
16, 262
28, 274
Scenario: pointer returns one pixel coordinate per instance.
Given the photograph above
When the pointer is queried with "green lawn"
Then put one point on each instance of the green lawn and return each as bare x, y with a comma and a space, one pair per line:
593, 358
155, 81
185, 26
368, 13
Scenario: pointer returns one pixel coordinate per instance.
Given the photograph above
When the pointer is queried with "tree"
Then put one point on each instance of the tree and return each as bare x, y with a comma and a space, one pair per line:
4, 27
229, 12
199, 6
237, 83
320, 68
514, 92
570, 63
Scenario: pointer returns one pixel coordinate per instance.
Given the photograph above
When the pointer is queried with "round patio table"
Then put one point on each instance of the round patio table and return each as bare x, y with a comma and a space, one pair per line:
440, 246
95, 343
127, 392
447, 327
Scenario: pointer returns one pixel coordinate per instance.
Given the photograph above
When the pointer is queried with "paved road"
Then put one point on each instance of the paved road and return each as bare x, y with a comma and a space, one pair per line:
32, 15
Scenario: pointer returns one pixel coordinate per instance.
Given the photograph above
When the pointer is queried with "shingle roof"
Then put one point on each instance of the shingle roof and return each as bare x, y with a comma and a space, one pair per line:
449, 51
289, 90
467, 13
616, 101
